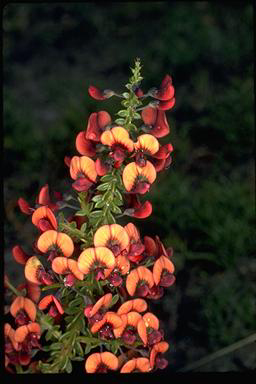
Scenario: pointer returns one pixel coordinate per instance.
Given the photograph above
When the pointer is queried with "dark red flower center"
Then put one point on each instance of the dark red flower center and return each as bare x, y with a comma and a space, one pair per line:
156, 292
115, 279
142, 289
44, 277
106, 332
114, 245
160, 362
69, 280
140, 159
45, 225
99, 274
141, 185
167, 279
154, 337
22, 318
129, 336
102, 368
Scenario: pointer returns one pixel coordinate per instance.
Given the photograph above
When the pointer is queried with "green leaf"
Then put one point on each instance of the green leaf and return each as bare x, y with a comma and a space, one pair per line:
132, 126
126, 103
103, 187
78, 358
126, 95
87, 349
68, 367
120, 121
79, 349
116, 209
100, 204
117, 201
83, 227
82, 212
98, 197
118, 194
71, 310
107, 195
106, 178
128, 86
122, 113
136, 115
110, 218
48, 335
95, 214
114, 300
77, 301
55, 346
64, 363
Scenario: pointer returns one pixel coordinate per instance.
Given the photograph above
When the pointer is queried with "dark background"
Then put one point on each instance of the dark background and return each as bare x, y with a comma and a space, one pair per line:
204, 204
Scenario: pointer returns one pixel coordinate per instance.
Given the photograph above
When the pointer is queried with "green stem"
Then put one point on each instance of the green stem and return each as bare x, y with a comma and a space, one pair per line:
46, 325
13, 289
53, 286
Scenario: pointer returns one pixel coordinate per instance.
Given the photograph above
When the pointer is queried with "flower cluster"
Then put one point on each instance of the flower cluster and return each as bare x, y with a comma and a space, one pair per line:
101, 275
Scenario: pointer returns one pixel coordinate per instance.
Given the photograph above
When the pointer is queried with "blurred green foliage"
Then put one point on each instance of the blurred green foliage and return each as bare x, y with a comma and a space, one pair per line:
204, 205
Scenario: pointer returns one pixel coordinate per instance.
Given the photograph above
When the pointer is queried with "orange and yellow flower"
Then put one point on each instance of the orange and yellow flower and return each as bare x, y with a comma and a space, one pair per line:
22, 332
163, 272
23, 309
112, 236
82, 169
102, 304
139, 281
120, 143
107, 325
9, 334
57, 242
62, 266
101, 362
122, 267
44, 219
130, 328
136, 249
96, 259
148, 327
33, 291
139, 364
52, 305
156, 355
138, 179
35, 272
146, 145
137, 305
